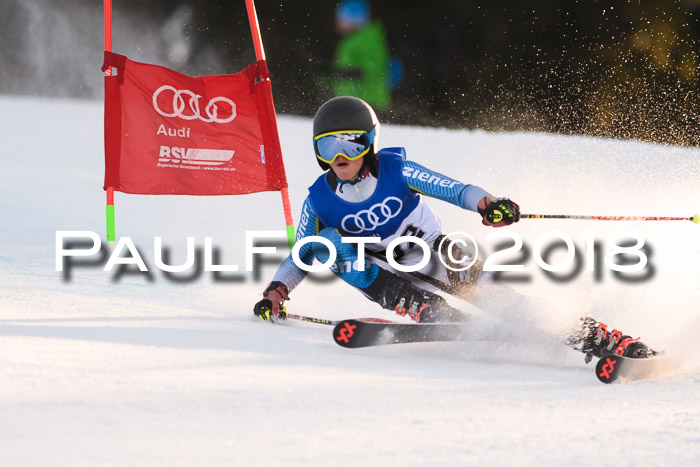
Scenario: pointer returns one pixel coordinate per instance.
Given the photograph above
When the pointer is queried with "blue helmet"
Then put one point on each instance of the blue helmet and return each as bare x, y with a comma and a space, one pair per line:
353, 12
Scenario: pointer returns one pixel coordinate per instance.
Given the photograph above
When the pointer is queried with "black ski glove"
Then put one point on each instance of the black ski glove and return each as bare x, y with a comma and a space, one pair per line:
275, 294
499, 212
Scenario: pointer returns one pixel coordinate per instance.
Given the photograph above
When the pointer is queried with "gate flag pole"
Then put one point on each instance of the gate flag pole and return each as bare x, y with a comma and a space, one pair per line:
276, 177
111, 236
260, 56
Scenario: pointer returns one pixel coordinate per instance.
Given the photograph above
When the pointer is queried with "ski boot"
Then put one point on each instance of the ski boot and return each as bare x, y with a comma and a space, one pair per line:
426, 308
392, 292
594, 339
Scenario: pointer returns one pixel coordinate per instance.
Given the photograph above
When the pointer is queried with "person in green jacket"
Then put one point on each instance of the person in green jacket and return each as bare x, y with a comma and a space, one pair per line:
362, 60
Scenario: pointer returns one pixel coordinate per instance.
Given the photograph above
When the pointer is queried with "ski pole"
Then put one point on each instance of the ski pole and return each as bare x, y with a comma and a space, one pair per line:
695, 218
311, 319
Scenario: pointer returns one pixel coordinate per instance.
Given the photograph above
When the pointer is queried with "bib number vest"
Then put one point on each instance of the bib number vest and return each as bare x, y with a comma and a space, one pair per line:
381, 214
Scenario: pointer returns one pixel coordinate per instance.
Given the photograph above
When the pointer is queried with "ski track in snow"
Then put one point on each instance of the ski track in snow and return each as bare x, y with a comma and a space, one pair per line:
155, 372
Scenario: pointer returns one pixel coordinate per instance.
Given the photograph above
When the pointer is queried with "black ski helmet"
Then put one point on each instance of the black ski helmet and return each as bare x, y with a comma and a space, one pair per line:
348, 113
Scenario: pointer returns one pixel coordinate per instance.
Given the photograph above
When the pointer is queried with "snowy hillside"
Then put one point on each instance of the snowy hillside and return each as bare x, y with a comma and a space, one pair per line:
138, 370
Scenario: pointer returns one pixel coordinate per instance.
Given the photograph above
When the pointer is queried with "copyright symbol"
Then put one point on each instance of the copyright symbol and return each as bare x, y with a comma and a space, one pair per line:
464, 242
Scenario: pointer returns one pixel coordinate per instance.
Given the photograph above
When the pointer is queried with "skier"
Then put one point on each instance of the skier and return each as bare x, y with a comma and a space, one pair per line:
366, 192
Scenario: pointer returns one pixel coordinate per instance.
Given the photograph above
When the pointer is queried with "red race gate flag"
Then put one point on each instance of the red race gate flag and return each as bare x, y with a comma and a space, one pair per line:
168, 133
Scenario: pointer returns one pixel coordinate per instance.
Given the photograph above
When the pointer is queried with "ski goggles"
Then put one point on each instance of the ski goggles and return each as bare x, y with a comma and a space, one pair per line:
351, 144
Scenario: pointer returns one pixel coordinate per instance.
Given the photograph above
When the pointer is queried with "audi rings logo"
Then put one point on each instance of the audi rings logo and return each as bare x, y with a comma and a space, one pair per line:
376, 216
191, 110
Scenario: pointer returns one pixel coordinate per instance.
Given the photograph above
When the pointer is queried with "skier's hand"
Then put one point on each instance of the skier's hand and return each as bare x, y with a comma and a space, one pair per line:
275, 294
498, 212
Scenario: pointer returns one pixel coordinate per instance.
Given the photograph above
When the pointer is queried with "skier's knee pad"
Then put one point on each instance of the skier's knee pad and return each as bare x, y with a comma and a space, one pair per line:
347, 265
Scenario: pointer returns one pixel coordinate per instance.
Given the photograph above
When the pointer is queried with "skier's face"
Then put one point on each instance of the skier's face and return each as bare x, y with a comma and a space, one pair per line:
344, 28
346, 169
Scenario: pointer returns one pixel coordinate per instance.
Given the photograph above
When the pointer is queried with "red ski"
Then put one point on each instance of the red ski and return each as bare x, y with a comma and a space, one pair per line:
622, 369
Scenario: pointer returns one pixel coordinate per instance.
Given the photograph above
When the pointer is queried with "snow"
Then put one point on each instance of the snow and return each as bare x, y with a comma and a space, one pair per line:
105, 370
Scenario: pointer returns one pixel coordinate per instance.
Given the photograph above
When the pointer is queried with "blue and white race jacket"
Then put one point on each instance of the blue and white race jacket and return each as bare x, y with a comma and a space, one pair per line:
387, 206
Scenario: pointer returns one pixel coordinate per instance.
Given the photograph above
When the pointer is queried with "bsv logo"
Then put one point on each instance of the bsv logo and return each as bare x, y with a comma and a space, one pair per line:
190, 110
376, 216
194, 156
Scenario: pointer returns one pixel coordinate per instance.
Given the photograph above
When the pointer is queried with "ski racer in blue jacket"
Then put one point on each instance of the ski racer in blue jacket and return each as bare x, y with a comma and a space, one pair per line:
378, 193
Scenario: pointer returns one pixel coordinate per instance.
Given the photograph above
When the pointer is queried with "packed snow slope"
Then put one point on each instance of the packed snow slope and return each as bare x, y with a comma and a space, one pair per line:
99, 369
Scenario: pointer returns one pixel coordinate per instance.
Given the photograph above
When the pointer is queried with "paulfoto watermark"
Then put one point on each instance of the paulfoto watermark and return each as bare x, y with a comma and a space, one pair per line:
621, 252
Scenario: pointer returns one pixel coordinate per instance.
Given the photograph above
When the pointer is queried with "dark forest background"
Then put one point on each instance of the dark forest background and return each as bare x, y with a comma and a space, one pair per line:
628, 69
